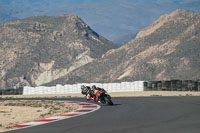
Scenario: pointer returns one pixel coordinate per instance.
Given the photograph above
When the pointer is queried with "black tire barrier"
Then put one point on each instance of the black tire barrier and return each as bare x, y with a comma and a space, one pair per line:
172, 85
18, 91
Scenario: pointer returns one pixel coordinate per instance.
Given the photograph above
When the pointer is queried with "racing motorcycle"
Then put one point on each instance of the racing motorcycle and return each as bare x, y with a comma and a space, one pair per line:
103, 97
99, 95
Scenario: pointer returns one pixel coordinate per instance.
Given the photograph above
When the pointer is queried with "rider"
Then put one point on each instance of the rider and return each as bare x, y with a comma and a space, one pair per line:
94, 90
86, 90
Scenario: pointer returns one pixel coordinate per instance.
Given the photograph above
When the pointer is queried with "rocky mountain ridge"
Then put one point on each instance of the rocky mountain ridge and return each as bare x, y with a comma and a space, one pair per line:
168, 49
110, 18
41, 49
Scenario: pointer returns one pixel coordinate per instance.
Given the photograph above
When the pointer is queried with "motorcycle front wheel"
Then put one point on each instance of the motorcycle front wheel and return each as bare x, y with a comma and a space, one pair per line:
108, 101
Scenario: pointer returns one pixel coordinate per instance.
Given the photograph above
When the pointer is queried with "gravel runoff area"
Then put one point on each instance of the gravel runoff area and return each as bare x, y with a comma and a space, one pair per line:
11, 112
21, 111
113, 94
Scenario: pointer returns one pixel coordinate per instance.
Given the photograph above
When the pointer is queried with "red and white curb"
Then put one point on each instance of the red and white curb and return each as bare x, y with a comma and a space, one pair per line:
84, 109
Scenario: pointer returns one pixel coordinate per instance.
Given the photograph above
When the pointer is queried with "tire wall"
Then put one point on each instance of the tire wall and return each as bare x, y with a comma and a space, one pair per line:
172, 85
18, 91
167, 85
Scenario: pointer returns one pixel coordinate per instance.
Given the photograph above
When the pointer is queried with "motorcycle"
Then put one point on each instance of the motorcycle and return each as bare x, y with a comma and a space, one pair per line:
99, 95
103, 97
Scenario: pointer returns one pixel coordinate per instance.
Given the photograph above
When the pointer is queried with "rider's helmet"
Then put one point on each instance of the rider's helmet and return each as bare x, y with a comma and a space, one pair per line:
94, 87
83, 87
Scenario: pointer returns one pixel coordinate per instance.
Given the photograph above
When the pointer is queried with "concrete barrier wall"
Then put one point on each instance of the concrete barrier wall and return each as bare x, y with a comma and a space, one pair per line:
76, 88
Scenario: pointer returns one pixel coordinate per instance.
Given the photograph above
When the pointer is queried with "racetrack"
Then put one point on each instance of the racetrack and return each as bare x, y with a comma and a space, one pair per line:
131, 115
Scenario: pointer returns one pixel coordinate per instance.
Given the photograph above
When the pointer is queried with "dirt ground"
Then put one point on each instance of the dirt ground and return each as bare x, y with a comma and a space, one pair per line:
18, 112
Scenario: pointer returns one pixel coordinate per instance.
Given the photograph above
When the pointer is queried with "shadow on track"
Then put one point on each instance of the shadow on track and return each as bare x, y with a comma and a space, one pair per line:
110, 105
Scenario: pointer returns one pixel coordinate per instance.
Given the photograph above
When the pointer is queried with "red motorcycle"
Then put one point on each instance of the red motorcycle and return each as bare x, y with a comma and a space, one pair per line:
99, 95
103, 97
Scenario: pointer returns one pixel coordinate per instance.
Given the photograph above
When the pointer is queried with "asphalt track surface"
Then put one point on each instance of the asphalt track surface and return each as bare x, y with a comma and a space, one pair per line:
131, 115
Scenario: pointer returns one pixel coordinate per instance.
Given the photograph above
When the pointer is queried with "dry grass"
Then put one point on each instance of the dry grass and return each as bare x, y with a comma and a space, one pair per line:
18, 112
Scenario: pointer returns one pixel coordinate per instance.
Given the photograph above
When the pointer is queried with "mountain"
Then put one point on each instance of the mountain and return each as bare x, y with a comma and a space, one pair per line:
124, 39
168, 49
110, 18
37, 50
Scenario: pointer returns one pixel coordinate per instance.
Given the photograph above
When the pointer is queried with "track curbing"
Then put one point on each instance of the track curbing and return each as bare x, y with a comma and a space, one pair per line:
84, 109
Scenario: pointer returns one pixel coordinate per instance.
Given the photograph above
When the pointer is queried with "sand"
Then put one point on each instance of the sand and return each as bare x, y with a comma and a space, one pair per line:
18, 112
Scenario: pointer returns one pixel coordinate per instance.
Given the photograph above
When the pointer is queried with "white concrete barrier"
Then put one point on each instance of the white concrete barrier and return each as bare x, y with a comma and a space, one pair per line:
76, 88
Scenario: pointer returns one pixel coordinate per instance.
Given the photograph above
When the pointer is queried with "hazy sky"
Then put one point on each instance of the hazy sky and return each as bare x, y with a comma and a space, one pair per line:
110, 18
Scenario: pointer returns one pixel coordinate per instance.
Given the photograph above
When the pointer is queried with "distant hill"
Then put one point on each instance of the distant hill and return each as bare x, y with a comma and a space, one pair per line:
168, 49
124, 39
110, 18
41, 49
